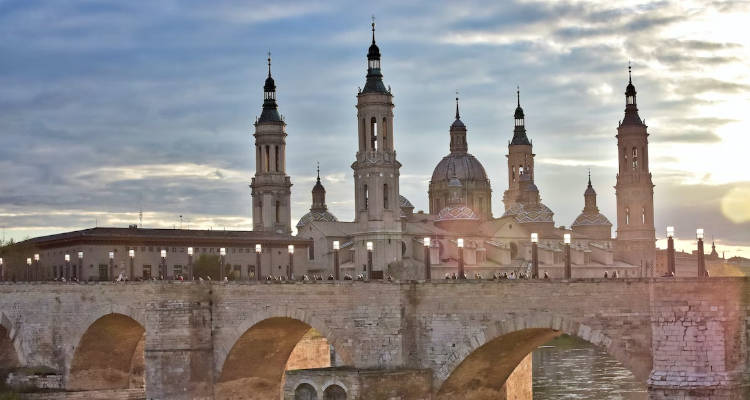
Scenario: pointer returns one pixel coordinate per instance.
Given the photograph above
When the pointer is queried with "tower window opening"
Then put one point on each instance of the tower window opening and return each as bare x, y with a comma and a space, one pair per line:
627, 216
362, 136
520, 170
513, 174
635, 158
630, 99
278, 211
643, 215
365, 194
276, 157
268, 159
625, 154
385, 134
373, 64
374, 135
385, 196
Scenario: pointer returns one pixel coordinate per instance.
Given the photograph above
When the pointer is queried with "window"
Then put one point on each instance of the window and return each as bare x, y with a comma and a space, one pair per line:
635, 158
311, 252
305, 391
268, 159
643, 215
146, 272
520, 170
276, 157
374, 134
278, 211
627, 216
385, 133
385, 196
365, 196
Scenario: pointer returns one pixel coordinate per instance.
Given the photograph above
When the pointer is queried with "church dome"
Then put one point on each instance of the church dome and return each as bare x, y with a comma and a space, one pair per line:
316, 216
465, 165
456, 213
588, 219
528, 213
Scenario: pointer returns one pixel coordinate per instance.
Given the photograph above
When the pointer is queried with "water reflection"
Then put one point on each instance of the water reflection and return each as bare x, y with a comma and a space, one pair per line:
571, 368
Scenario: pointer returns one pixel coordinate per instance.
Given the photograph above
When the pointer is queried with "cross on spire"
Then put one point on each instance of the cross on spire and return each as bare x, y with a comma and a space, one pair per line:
630, 70
518, 95
373, 28
318, 171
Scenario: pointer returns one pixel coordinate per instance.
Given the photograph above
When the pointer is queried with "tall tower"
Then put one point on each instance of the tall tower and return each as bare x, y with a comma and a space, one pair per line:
271, 186
376, 170
634, 188
520, 157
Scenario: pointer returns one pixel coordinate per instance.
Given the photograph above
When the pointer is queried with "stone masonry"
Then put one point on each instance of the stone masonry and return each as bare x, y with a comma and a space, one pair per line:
683, 337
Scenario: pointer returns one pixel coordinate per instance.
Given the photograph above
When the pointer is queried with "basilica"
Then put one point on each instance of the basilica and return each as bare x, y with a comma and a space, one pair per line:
387, 235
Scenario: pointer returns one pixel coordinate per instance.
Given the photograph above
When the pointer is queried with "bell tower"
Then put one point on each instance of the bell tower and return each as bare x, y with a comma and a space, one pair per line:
376, 170
634, 189
520, 156
271, 186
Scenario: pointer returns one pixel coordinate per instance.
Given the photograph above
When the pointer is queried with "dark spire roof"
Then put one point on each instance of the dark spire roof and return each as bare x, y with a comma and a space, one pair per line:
631, 107
270, 111
589, 189
457, 123
374, 83
318, 186
519, 133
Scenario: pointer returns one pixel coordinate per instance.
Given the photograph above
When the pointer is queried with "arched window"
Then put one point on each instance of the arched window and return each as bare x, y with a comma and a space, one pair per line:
268, 159
362, 136
627, 215
520, 170
635, 158
643, 215
385, 134
276, 157
625, 155
513, 174
305, 391
365, 194
311, 252
278, 211
334, 392
373, 134
385, 196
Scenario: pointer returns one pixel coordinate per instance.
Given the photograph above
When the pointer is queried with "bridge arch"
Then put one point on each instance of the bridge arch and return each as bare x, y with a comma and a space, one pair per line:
255, 366
480, 366
8, 353
109, 355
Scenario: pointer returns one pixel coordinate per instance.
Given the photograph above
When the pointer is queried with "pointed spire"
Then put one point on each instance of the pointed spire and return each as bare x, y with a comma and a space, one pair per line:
631, 106
589, 177
630, 72
270, 112
458, 116
519, 133
318, 171
518, 95
269, 63
373, 29
374, 83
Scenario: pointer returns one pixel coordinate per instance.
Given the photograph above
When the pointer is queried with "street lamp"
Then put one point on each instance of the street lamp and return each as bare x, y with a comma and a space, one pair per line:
28, 269
336, 259
79, 273
2, 270
66, 274
534, 255
111, 265
222, 257
670, 251
290, 273
460, 243
701, 255
131, 254
163, 264
190, 262
568, 270
37, 270
427, 263
369, 259
258, 250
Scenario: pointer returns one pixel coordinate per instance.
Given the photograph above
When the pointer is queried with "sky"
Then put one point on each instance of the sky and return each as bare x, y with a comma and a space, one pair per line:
108, 108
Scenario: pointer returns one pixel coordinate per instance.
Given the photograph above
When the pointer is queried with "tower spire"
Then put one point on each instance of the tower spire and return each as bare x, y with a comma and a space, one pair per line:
269, 63
518, 95
373, 29
630, 73
458, 116
318, 171
589, 177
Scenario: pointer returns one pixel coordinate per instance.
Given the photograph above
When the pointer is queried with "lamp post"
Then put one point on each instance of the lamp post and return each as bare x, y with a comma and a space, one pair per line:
2, 270
290, 272
461, 274
427, 263
701, 255
163, 265
190, 263
670, 251
66, 274
258, 250
222, 261
568, 270
131, 255
111, 273
28, 269
534, 256
336, 259
37, 269
78, 275
369, 259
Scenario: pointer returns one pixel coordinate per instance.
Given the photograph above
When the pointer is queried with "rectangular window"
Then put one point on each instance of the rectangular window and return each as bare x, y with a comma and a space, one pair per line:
276, 158
311, 252
268, 159
147, 272
385, 196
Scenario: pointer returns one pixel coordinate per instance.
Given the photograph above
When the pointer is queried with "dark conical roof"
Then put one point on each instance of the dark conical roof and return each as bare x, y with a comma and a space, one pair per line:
631, 109
519, 132
457, 123
270, 111
374, 83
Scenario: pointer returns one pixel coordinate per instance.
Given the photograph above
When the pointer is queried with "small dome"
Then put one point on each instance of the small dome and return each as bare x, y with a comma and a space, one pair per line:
458, 124
630, 89
318, 187
374, 52
519, 113
589, 191
591, 219
404, 202
527, 214
456, 213
312, 216
270, 85
465, 165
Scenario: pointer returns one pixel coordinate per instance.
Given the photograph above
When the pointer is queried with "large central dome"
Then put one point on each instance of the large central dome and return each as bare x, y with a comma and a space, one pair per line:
467, 168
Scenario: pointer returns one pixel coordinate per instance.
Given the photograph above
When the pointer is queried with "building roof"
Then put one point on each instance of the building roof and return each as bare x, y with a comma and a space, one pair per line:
324, 216
465, 166
164, 237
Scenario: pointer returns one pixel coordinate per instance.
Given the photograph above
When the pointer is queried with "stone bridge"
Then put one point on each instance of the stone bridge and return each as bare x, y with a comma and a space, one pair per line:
683, 338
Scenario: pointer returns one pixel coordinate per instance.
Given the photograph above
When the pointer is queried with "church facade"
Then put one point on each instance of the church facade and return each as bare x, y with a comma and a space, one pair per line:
460, 206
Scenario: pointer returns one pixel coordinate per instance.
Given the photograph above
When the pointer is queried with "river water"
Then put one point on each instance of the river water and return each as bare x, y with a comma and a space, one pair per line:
570, 368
